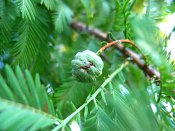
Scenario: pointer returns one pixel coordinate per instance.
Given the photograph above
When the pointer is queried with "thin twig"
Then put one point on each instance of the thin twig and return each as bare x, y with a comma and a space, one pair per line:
109, 79
117, 42
148, 69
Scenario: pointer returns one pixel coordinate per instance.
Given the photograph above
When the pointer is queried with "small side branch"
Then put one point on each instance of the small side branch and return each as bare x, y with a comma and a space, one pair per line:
117, 42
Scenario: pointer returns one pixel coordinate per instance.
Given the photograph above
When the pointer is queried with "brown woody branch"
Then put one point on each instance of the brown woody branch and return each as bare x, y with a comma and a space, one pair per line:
147, 69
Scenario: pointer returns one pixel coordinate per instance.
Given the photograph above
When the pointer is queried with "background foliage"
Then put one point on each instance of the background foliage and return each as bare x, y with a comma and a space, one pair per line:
37, 45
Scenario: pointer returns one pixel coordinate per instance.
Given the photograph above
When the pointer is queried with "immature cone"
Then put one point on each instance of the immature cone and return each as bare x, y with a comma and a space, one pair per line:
86, 66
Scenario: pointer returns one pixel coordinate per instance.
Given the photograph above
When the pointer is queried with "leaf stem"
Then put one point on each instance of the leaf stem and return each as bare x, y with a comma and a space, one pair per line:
116, 42
119, 42
109, 79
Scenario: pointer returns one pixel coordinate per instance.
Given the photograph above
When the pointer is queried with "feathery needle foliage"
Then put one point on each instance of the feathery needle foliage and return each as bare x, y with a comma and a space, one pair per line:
38, 41
22, 88
27, 8
62, 17
16, 117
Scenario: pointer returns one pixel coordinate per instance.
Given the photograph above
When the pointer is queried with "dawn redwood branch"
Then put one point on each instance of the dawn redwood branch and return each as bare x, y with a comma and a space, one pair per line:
147, 69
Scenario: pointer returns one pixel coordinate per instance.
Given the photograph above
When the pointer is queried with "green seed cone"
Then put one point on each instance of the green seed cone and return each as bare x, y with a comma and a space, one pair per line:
86, 66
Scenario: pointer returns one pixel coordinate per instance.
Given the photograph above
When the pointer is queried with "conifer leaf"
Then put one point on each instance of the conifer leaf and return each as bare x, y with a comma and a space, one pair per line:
103, 9
155, 10
99, 122
27, 8
69, 93
86, 112
121, 77
87, 5
103, 97
50, 4
7, 17
123, 11
14, 116
62, 17
31, 43
27, 46
78, 117
95, 103
22, 88
119, 20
